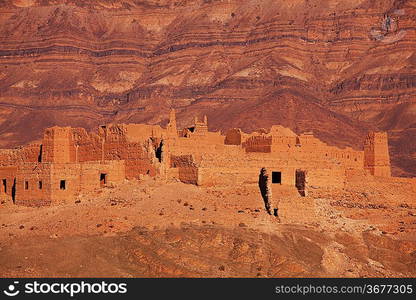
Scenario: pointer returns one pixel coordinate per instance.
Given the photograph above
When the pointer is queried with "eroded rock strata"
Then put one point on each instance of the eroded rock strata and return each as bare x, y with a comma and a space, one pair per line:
338, 68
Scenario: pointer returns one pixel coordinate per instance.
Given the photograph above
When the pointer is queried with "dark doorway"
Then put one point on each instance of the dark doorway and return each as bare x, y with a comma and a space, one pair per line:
301, 182
275, 212
14, 191
277, 177
62, 185
40, 153
40, 185
5, 186
103, 179
26, 185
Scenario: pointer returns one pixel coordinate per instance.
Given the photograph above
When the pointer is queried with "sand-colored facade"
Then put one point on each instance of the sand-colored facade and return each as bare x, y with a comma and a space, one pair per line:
68, 162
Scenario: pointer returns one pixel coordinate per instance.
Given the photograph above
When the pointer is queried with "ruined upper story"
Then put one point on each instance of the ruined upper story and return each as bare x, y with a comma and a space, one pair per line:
292, 149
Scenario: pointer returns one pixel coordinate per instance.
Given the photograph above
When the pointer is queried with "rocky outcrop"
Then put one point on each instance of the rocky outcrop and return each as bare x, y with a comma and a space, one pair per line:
212, 251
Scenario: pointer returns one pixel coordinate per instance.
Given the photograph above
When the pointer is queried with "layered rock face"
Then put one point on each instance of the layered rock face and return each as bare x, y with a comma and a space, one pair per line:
338, 68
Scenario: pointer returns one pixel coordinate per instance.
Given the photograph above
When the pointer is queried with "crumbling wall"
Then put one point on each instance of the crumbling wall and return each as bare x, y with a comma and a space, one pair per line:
189, 175
28, 153
113, 144
40, 184
302, 182
228, 165
85, 146
33, 184
198, 146
138, 133
223, 176
228, 169
7, 180
376, 154
137, 159
83, 178
233, 137
261, 144
266, 191
200, 128
65, 182
187, 169
90, 175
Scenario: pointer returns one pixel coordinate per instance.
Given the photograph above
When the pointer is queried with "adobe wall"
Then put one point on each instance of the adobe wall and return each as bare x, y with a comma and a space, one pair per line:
316, 151
33, 184
321, 178
261, 144
225, 176
126, 142
233, 137
189, 175
39, 184
231, 165
83, 178
28, 153
282, 142
138, 133
70, 174
137, 159
7, 178
85, 146
198, 148
115, 142
187, 171
90, 175
56, 145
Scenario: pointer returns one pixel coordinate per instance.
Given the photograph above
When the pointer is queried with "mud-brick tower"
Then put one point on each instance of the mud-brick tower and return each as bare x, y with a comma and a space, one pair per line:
201, 127
56, 145
166, 144
376, 154
171, 128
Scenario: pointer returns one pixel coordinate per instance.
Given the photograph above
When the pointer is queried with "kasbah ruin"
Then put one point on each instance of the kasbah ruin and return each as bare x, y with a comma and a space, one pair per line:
69, 161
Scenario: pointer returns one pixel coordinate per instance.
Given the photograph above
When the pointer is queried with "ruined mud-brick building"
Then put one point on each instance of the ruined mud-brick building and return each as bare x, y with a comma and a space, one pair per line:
69, 162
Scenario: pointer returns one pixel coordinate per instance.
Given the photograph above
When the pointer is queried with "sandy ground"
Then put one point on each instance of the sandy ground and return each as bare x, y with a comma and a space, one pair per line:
354, 233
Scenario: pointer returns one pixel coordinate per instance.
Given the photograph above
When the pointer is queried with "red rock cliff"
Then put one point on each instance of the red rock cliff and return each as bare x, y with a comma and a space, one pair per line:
338, 68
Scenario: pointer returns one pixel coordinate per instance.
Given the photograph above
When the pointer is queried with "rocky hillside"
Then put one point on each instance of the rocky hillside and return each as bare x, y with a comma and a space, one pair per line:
210, 251
336, 67
159, 229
